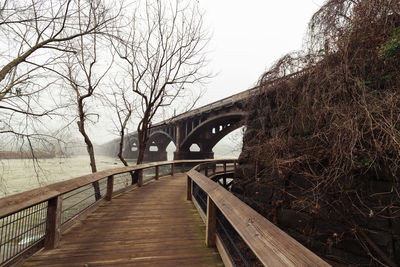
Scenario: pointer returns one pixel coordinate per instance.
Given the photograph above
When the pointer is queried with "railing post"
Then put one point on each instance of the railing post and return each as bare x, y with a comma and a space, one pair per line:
189, 188
110, 187
211, 226
172, 168
224, 167
140, 177
234, 164
206, 170
157, 173
182, 167
134, 176
53, 223
96, 187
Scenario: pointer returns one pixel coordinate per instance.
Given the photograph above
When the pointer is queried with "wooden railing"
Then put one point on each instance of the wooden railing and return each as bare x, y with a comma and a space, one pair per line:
242, 236
37, 218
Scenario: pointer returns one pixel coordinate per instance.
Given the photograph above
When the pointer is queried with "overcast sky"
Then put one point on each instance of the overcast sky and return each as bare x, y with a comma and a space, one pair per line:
248, 37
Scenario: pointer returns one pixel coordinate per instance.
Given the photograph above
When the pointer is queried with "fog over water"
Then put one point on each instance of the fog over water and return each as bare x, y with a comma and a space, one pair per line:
19, 175
245, 41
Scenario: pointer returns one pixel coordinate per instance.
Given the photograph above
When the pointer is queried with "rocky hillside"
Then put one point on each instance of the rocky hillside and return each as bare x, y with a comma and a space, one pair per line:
321, 153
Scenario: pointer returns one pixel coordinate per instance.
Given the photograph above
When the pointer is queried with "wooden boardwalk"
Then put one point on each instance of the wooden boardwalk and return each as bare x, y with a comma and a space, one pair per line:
149, 226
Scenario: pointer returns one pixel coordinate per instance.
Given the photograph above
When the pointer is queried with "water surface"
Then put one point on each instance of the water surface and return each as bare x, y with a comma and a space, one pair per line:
18, 175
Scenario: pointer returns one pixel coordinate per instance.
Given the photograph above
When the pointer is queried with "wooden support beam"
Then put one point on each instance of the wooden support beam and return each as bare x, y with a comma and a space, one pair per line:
211, 224
206, 170
223, 253
110, 187
53, 223
272, 246
140, 177
134, 177
172, 168
96, 186
189, 189
224, 167
182, 167
157, 173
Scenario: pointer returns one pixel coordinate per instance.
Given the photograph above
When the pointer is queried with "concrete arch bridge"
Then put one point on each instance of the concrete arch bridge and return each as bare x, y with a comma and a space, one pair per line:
204, 127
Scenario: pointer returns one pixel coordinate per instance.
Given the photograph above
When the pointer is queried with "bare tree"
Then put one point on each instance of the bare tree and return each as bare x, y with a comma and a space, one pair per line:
122, 104
163, 50
29, 26
82, 73
34, 36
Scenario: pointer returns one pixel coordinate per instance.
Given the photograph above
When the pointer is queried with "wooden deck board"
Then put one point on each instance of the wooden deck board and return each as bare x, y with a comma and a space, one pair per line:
149, 226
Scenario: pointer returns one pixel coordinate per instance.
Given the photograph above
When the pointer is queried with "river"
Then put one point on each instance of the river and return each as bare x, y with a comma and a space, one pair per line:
18, 175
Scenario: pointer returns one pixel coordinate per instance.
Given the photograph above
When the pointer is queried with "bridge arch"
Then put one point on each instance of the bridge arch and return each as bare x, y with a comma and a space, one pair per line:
204, 126
162, 136
208, 133
156, 149
132, 143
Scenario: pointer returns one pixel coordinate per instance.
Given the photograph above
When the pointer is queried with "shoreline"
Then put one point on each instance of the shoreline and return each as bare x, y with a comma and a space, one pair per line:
26, 155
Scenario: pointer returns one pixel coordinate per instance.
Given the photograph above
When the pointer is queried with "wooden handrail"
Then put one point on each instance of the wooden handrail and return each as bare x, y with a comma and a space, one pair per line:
17, 202
27, 204
271, 245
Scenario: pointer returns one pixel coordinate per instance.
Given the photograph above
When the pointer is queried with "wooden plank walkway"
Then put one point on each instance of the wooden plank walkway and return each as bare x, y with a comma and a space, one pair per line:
149, 226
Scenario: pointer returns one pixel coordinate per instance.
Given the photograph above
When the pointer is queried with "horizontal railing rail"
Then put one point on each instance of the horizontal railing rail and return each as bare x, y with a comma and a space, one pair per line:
35, 219
242, 236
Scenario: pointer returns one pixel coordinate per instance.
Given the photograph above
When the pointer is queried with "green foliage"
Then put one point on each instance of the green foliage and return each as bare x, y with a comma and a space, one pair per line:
391, 48
367, 162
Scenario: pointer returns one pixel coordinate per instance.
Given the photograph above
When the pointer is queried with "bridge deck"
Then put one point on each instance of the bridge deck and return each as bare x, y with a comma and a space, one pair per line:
149, 226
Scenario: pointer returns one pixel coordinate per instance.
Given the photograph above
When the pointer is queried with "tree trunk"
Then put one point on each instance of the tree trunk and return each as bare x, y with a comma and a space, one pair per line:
142, 132
142, 139
96, 185
90, 150
142, 148
121, 147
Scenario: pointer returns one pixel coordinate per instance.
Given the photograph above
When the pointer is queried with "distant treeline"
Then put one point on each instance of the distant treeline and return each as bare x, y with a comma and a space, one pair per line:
25, 154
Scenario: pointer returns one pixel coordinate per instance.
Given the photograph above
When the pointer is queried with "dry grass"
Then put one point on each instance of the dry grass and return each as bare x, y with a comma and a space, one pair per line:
335, 120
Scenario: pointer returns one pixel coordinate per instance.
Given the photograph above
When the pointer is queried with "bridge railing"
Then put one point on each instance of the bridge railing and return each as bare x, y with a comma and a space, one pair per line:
37, 218
242, 236
241, 96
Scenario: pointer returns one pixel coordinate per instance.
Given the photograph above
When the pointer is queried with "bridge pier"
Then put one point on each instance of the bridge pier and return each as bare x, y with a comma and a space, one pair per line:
193, 155
155, 156
148, 155
203, 127
129, 154
130, 150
